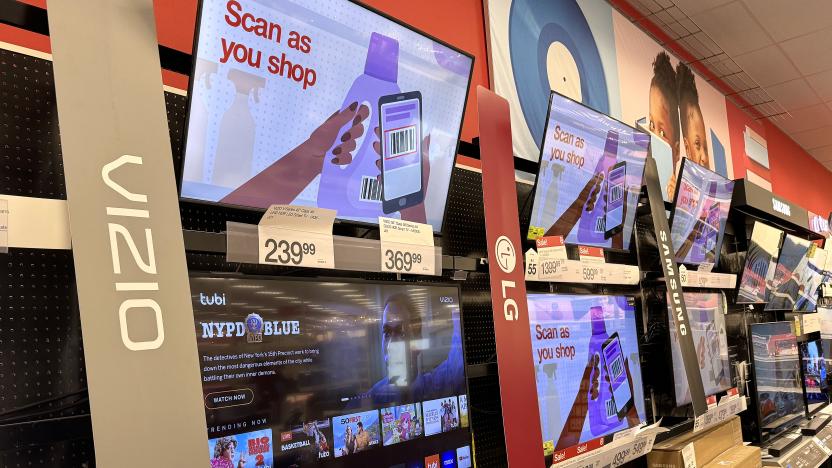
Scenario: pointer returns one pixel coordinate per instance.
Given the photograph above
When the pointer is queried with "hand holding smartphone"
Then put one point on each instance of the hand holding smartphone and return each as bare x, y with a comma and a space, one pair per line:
613, 358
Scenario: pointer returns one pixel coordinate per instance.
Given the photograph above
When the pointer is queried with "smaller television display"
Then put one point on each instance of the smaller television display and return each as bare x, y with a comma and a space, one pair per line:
700, 212
585, 353
304, 443
706, 315
245, 450
441, 415
759, 264
589, 178
355, 432
777, 376
789, 275
814, 375
811, 279
401, 423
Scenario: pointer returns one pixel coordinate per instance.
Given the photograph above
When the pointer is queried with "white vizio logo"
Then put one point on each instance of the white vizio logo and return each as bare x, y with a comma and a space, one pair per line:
137, 209
781, 207
506, 256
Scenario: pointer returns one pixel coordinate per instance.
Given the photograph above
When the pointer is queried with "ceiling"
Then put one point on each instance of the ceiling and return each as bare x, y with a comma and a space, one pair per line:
773, 57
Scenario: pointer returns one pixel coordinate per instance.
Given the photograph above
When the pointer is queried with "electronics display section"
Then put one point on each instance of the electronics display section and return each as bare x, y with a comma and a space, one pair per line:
706, 313
322, 373
382, 106
776, 364
787, 282
815, 384
585, 351
700, 211
589, 178
759, 264
811, 279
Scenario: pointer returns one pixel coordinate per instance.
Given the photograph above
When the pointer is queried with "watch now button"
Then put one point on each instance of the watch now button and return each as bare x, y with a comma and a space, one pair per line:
216, 400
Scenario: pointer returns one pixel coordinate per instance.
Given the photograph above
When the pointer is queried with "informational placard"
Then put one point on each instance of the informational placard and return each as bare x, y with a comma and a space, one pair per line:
296, 236
634, 443
704, 279
406, 247
728, 406
4, 226
591, 254
532, 265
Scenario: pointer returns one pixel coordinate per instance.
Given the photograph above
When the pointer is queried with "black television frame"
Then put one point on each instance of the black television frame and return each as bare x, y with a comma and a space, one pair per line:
721, 233
801, 345
524, 230
437, 231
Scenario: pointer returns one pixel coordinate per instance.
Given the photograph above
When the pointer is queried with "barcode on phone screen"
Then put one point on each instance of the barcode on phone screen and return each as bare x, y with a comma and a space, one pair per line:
401, 141
370, 189
616, 192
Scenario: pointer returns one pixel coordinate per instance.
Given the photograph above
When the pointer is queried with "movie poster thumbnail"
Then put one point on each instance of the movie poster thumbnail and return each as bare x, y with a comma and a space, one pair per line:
305, 444
463, 410
355, 433
247, 450
441, 415
401, 423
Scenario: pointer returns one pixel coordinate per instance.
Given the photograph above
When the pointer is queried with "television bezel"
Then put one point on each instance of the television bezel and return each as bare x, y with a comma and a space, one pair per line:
437, 230
721, 234
533, 193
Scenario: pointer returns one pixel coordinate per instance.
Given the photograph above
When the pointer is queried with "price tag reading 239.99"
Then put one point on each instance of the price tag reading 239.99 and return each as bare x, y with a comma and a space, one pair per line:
406, 247
296, 236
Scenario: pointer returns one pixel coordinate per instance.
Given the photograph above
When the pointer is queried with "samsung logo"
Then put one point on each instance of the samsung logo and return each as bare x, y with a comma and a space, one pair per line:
781, 207
216, 299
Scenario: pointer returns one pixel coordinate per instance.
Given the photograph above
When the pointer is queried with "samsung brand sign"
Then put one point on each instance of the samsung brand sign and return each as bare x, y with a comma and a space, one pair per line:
781, 207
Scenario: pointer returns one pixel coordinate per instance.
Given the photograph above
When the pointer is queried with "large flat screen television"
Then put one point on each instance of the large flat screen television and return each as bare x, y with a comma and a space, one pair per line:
328, 104
700, 211
759, 266
815, 382
776, 364
810, 280
585, 352
589, 176
789, 275
330, 373
706, 315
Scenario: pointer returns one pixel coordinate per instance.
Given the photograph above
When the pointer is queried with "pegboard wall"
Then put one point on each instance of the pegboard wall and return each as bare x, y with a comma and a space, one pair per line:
42, 379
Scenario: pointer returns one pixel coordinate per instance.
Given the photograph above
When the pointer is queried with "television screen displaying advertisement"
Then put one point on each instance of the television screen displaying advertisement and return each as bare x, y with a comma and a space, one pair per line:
814, 375
700, 211
776, 375
325, 373
760, 263
586, 357
326, 104
589, 177
706, 315
812, 276
788, 281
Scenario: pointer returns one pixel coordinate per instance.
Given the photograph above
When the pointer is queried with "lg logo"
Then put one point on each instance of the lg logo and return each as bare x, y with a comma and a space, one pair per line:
507, 260
216, 299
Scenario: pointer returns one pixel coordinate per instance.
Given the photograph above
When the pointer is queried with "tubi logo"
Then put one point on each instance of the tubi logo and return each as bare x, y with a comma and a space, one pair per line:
216, 299
432, 461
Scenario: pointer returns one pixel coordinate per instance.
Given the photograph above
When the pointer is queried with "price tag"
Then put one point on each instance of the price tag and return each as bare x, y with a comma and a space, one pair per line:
591, 254
406, 247
297, 236
689, 456
4, 226
705, 267
811, 322
531, 265
683, 275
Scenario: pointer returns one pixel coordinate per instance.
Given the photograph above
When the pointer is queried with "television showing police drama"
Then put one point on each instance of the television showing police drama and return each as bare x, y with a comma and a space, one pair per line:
815, 382
787, 284
760, 261
327, 104
335, 373
776, 366
700, 211
589, 177
586, 357
706, 315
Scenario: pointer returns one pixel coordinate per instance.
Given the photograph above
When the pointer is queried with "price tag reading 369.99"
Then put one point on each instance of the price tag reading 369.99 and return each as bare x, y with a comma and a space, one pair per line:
406, 247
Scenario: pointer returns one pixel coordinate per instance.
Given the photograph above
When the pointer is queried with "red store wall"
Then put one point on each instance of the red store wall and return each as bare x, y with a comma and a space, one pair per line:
794, 174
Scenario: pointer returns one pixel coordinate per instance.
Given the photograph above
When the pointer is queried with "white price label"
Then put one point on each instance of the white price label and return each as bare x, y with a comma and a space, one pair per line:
531, 265
406, 247
823, 446
689, 456
551, 269
683, 275
4, 226
705, 267
296, 236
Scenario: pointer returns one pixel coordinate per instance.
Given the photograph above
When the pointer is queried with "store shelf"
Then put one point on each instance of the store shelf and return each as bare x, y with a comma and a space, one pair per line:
575, 271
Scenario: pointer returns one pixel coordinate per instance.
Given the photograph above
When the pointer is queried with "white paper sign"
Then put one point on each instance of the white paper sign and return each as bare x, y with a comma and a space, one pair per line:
531, 265
296, 236
727, 407
4, 226
406, 247
689, 456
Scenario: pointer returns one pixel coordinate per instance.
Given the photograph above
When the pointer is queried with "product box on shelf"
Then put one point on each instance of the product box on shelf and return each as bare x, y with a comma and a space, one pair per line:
741, 456
696, 449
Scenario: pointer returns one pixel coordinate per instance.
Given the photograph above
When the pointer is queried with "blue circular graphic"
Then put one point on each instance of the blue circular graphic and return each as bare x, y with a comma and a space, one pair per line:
534, 26
254, 323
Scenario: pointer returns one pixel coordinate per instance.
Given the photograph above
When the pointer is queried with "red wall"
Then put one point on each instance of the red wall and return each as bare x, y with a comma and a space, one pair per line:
797, 176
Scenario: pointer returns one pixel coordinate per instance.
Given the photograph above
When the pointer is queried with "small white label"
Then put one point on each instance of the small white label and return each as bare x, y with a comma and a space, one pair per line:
689, 456
406, 247
705, 267
823, 446
531, 265
4, 226
296, 236
683, 275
